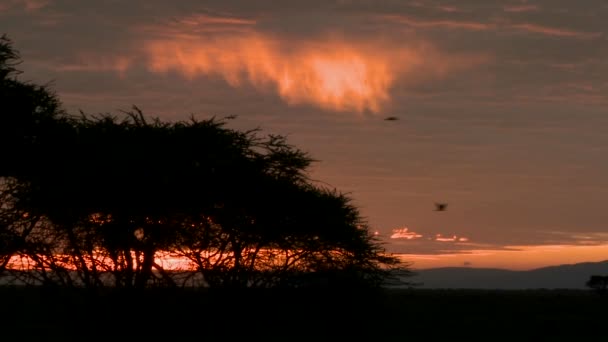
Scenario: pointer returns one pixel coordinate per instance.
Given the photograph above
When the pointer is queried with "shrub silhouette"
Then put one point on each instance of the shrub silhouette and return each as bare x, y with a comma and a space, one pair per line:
598, 283
107, 196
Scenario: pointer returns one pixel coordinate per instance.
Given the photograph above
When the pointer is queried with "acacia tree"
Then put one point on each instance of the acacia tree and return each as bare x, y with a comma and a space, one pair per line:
111, 195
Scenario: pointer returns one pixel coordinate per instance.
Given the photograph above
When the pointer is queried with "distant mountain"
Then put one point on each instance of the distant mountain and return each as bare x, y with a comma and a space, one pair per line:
554, 277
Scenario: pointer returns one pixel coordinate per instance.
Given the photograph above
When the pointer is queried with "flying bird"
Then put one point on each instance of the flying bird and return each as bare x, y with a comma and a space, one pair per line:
440, 206
391, 118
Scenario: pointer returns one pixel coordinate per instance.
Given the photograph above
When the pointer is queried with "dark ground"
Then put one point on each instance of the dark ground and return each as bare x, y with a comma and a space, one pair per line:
391, 315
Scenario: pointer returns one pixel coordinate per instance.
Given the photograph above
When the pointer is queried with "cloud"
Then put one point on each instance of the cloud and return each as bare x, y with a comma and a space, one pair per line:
207, 19
371, 70
450, 9
90, 62
435, 6
201, 23
27, 5
500, 24
404, 233
331, 71
576, 238
437, 23
554, 31
32, 5
332, 75
435, 246
453, 238
520, 8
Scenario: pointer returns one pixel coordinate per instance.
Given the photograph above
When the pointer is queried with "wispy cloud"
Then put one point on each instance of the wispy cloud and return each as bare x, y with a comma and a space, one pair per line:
521, 8
197, 24
27, 5
554, 31
495, 25
453, 238
86, 62
438, 7
449, 9
577, 238
206, 19
32, 5
441, 23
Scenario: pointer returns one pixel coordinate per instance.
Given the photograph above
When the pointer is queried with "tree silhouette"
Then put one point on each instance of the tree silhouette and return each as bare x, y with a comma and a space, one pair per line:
103, 198
598, 283
15, 225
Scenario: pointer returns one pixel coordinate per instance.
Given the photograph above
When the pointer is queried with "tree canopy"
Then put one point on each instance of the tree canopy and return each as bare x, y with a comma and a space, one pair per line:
108, 200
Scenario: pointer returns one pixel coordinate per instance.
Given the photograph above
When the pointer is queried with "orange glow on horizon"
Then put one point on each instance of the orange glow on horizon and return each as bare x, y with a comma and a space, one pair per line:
513, 257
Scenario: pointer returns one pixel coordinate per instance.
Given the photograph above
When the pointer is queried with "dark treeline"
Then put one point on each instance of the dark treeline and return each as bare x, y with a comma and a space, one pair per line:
100, 200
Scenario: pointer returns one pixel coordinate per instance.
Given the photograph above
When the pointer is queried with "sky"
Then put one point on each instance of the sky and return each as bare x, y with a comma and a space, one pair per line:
501, 105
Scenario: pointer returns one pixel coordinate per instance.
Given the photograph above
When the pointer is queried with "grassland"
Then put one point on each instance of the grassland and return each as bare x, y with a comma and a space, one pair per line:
388, 315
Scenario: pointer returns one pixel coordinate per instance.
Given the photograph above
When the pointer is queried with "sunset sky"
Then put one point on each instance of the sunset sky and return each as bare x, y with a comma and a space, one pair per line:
502, 105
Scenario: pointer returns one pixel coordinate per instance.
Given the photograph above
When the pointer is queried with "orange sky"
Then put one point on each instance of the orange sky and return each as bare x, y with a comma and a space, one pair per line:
501, 105
519, 258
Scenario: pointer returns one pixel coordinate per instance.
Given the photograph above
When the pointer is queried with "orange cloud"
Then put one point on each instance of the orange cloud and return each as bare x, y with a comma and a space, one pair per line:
331, 74
453, 238
404, 233
329, 71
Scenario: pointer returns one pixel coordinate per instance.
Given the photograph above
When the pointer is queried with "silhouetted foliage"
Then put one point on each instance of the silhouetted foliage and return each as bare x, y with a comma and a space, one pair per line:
598, 283
14, 224
31, 117
30, 113
106, 200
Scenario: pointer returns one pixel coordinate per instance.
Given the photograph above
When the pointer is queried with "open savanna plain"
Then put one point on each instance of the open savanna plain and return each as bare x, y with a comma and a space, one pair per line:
289, 315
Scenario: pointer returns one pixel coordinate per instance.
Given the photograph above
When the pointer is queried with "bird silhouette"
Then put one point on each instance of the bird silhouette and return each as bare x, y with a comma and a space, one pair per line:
440, 206
391, 118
